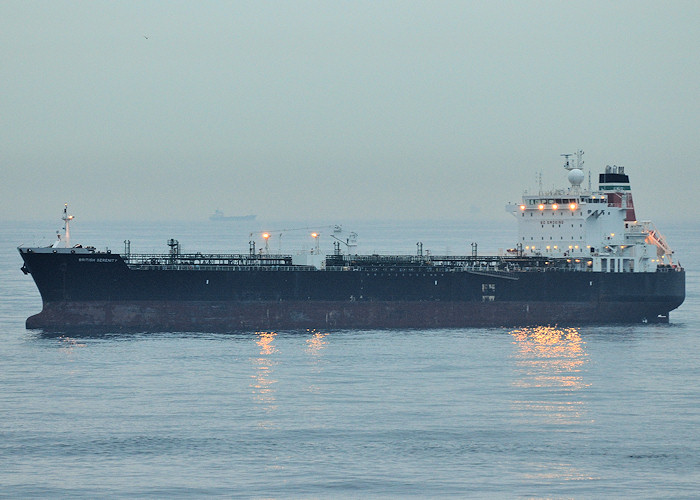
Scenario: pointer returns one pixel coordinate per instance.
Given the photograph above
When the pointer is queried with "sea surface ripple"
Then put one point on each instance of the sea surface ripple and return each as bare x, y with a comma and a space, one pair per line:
560, 411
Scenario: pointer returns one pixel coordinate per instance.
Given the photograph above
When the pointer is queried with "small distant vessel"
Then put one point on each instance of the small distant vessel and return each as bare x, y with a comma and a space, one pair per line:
218, 216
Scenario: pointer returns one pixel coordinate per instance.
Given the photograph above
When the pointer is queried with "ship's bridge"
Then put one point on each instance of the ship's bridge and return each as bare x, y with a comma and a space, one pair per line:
595, 225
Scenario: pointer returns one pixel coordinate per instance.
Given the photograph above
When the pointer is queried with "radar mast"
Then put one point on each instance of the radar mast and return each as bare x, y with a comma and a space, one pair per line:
576, 175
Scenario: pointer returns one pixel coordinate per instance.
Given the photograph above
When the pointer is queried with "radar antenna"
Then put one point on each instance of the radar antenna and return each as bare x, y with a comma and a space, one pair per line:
579, 159
567, 164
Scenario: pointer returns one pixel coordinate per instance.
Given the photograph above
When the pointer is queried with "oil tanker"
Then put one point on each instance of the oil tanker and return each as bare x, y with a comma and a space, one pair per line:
581, 257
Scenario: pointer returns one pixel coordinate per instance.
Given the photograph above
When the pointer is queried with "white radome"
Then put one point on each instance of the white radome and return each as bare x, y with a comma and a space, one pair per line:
576, 177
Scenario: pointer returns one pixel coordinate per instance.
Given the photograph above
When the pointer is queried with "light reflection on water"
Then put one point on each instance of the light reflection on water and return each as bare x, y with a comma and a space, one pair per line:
550, 371
550, 357
68, 344
263, 381
314, 348
316, 343
550, 383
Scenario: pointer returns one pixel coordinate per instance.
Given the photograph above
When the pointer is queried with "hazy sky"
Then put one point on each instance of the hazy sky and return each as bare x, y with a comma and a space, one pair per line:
318, 110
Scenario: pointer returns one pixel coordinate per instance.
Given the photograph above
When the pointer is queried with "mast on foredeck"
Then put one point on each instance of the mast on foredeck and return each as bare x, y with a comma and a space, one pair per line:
66, 224
65, 241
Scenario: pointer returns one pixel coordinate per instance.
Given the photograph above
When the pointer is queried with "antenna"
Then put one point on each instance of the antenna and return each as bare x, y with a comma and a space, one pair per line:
567, 164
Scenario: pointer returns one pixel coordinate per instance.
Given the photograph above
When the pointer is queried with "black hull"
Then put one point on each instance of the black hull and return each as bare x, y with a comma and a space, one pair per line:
100, 290
227, 316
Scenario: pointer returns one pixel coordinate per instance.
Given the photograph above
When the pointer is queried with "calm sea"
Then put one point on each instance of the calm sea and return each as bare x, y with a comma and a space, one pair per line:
552, 412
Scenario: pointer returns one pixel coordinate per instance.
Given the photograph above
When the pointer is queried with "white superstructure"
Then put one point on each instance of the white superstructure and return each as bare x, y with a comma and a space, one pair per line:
593, 229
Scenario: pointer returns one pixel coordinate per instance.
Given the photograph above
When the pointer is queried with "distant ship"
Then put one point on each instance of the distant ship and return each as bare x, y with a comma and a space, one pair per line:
581, 256
218, 216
